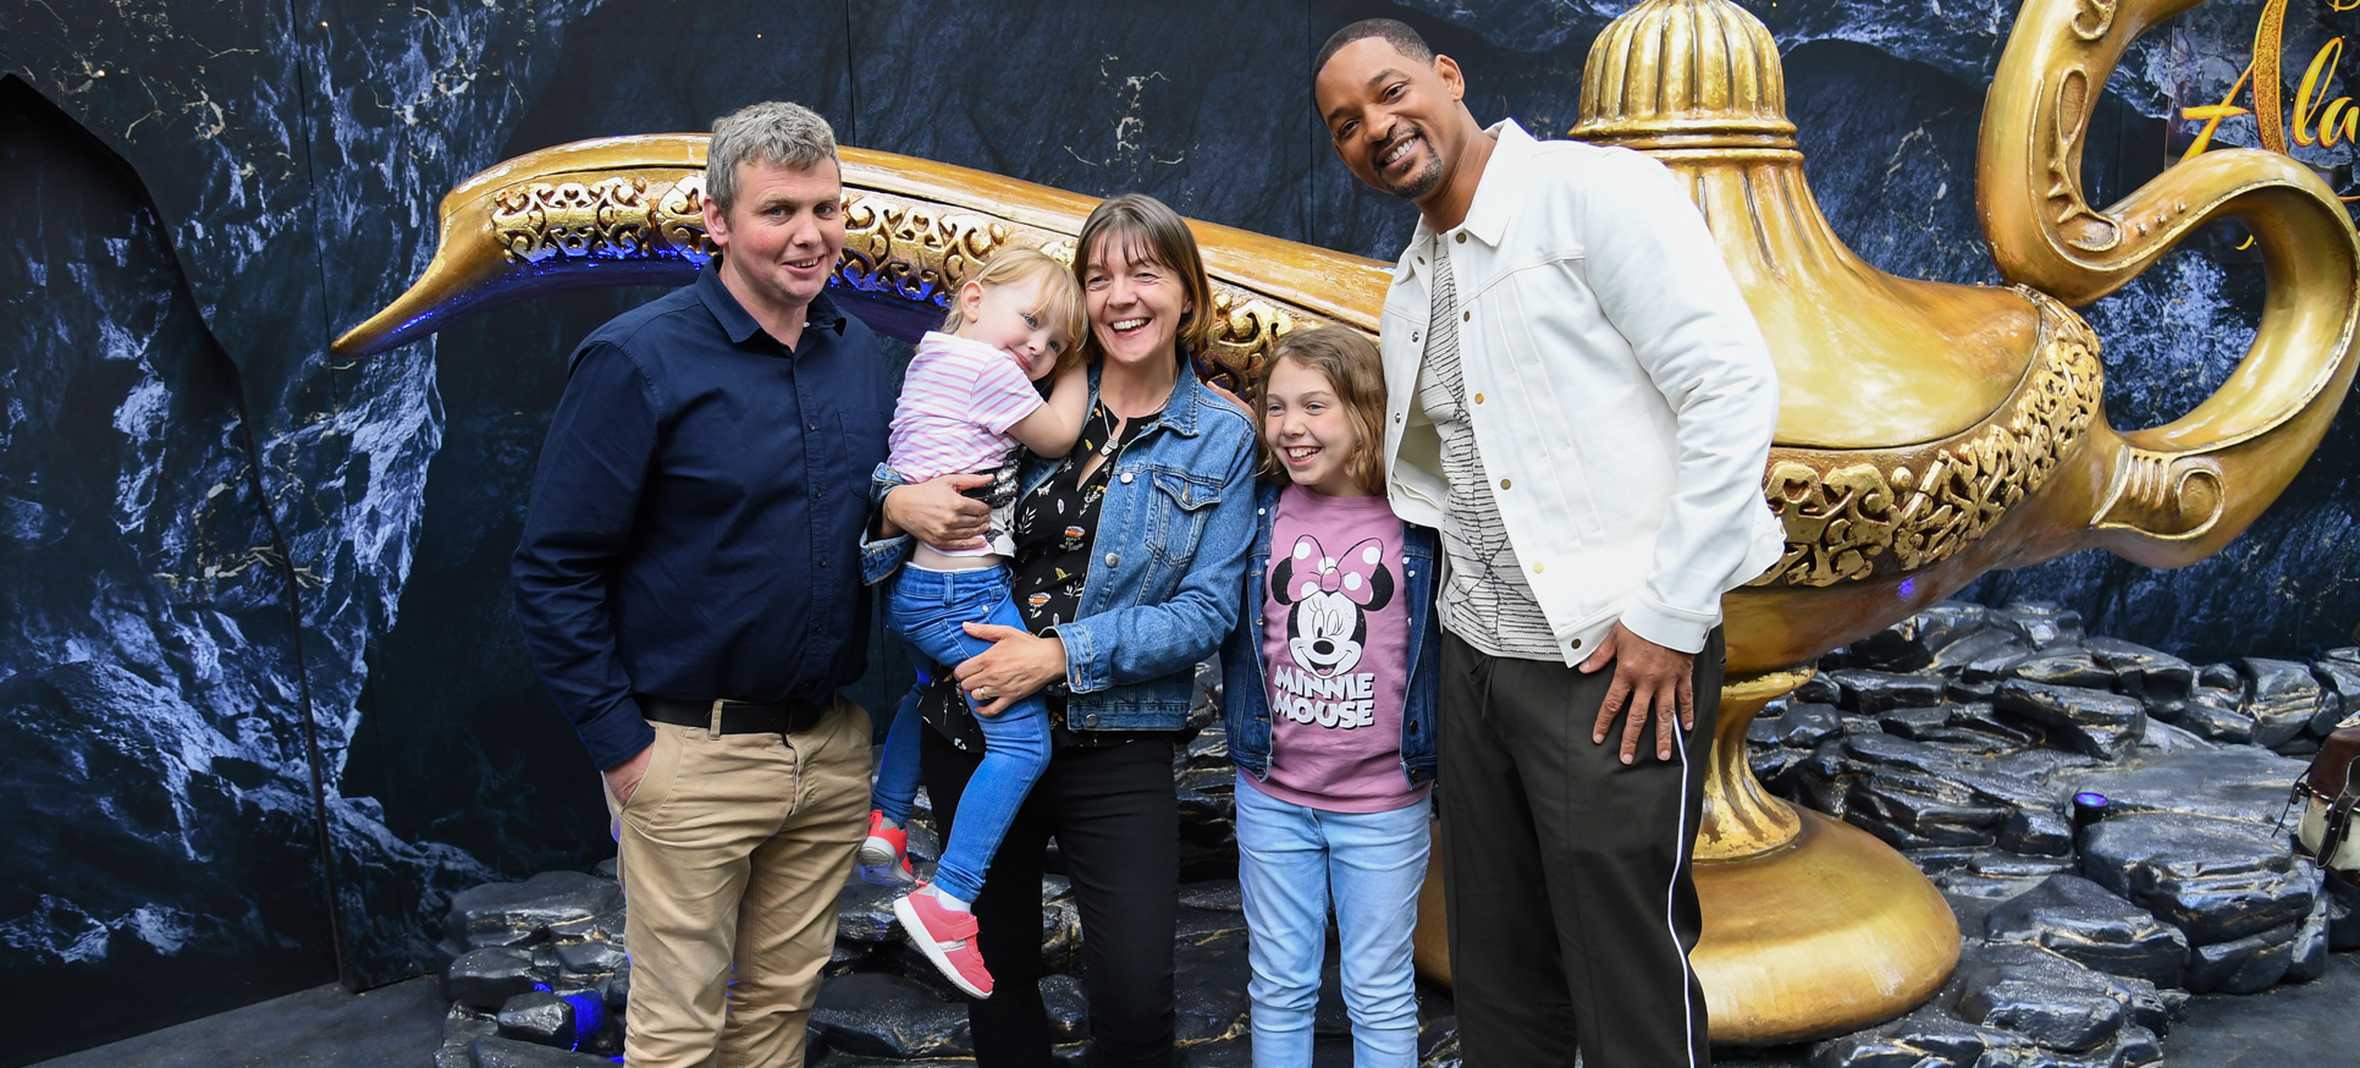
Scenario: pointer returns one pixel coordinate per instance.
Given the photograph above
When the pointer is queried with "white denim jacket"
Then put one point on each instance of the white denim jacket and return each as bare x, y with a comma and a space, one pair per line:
1622, 397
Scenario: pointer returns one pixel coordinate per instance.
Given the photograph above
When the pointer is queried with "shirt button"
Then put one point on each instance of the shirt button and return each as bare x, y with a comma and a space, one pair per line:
1479, 398
1413, 335
1503, 483
1126, 478
1462, 237
1467, 316
1113, 559
1397, 417
1577, 643
1537, 568
1090, 720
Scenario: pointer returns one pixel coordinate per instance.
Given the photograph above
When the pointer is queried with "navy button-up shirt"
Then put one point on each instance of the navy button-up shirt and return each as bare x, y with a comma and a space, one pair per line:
695, 523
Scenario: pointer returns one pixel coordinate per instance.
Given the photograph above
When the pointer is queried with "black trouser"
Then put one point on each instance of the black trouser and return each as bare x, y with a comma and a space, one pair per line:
1567, 882
1117, 823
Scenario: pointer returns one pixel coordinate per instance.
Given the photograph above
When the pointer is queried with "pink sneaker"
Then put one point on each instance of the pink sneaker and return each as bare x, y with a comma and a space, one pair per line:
885, 854
947, 938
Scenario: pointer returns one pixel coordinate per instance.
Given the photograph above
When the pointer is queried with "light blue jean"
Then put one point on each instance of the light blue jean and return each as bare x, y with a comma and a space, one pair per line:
928, 609
1290, 861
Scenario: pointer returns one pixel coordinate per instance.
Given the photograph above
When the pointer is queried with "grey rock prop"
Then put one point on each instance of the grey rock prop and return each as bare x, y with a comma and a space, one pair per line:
2081, 947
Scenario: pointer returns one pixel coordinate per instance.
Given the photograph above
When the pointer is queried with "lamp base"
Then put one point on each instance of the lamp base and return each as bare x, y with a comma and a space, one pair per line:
1834, 933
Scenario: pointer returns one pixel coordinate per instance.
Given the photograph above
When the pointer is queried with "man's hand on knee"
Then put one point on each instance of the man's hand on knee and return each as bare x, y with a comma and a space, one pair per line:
1652, 683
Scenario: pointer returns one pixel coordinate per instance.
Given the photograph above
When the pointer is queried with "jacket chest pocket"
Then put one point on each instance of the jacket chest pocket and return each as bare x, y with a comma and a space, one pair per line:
1178, 503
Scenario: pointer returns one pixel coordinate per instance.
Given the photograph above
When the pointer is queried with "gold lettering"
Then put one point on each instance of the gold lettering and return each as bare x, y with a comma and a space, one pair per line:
2330, 127
2338, 120
2212, 114
2313, 87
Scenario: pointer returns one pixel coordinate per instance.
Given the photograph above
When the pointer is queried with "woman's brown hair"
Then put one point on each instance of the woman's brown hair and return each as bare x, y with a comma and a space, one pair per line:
1356, 373
1144, 229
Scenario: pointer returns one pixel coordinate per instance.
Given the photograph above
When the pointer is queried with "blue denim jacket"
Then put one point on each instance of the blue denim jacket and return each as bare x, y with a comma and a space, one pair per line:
1245, 694
1170, 547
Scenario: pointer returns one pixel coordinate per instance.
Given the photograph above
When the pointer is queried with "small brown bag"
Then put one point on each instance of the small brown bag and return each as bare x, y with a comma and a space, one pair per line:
2329, 792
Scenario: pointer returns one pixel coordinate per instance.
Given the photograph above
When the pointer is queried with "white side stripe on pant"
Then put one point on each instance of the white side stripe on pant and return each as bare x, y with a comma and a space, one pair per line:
1670, 897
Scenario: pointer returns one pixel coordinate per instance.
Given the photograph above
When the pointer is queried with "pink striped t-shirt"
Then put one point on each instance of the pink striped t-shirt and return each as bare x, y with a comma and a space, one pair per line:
958, 399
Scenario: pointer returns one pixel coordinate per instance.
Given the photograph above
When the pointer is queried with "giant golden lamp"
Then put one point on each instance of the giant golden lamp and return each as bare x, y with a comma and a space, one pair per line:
1927, 432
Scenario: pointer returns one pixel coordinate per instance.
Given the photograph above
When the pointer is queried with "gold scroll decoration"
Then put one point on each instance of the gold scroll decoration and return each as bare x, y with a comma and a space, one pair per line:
1854, 515
894, 245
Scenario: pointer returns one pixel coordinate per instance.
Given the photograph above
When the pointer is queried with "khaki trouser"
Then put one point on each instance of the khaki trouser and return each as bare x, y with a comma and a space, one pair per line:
731, 853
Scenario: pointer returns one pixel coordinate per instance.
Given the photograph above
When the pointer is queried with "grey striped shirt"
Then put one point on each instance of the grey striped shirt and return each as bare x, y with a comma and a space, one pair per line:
1485, 598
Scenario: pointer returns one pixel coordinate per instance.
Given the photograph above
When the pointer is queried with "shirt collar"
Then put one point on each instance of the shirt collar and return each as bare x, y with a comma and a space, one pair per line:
1496, 194
739, 324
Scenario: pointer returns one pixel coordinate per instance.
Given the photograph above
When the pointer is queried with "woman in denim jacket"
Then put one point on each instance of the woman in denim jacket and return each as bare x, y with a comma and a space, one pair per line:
1129, 553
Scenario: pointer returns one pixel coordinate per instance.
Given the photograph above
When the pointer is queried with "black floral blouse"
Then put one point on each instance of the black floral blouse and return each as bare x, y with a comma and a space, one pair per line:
1054, 528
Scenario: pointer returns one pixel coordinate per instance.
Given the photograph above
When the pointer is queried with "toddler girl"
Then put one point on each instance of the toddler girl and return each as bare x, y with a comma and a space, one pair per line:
968, 403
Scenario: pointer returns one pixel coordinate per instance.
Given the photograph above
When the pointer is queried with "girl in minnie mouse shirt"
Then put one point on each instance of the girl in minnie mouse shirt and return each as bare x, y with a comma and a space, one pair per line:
1330, 684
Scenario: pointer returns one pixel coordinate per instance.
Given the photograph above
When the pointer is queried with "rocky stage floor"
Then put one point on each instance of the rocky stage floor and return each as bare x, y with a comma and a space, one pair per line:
1957, 736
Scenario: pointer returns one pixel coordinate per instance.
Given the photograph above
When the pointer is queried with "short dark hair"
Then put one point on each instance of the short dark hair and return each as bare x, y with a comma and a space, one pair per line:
1395, 32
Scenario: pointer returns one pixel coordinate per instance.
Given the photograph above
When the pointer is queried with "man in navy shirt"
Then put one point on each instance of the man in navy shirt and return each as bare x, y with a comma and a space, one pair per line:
690, 592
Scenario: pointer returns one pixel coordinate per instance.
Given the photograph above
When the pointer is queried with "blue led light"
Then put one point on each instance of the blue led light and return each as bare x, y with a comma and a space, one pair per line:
589, 1014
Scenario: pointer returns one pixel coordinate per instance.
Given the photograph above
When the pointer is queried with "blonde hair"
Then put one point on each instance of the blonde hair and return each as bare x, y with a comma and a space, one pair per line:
1060, 297
1147, 229
1356, 372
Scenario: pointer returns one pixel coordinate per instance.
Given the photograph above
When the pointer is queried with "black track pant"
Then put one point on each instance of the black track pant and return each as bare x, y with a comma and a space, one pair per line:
1571, 910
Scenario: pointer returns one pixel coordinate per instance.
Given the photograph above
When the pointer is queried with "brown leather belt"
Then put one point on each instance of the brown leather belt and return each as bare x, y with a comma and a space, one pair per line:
735, 717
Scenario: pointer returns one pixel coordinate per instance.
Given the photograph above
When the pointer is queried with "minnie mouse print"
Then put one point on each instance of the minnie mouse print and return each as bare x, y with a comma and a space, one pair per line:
1329, 600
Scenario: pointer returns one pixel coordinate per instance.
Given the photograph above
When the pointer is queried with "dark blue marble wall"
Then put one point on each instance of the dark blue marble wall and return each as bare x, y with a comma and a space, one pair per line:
202, 605
160, 813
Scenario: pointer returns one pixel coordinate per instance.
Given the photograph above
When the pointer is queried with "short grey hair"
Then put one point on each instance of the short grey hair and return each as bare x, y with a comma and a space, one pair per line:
775, 132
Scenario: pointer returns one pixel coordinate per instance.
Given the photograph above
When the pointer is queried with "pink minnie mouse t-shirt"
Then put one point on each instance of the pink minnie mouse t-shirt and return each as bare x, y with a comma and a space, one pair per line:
1335, 651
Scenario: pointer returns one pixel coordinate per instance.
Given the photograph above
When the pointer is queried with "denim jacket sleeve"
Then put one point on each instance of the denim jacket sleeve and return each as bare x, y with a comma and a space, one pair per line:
1148, 641
880, 557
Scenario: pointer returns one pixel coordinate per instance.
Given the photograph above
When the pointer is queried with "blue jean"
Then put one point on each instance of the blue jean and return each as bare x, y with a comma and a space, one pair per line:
928, 609
1290, 860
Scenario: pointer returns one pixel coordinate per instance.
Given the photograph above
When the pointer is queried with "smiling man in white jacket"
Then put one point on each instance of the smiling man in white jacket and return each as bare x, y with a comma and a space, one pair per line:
1579, 399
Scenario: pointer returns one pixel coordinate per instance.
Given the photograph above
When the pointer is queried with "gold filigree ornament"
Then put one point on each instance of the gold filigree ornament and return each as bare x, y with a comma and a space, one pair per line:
1851, 517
